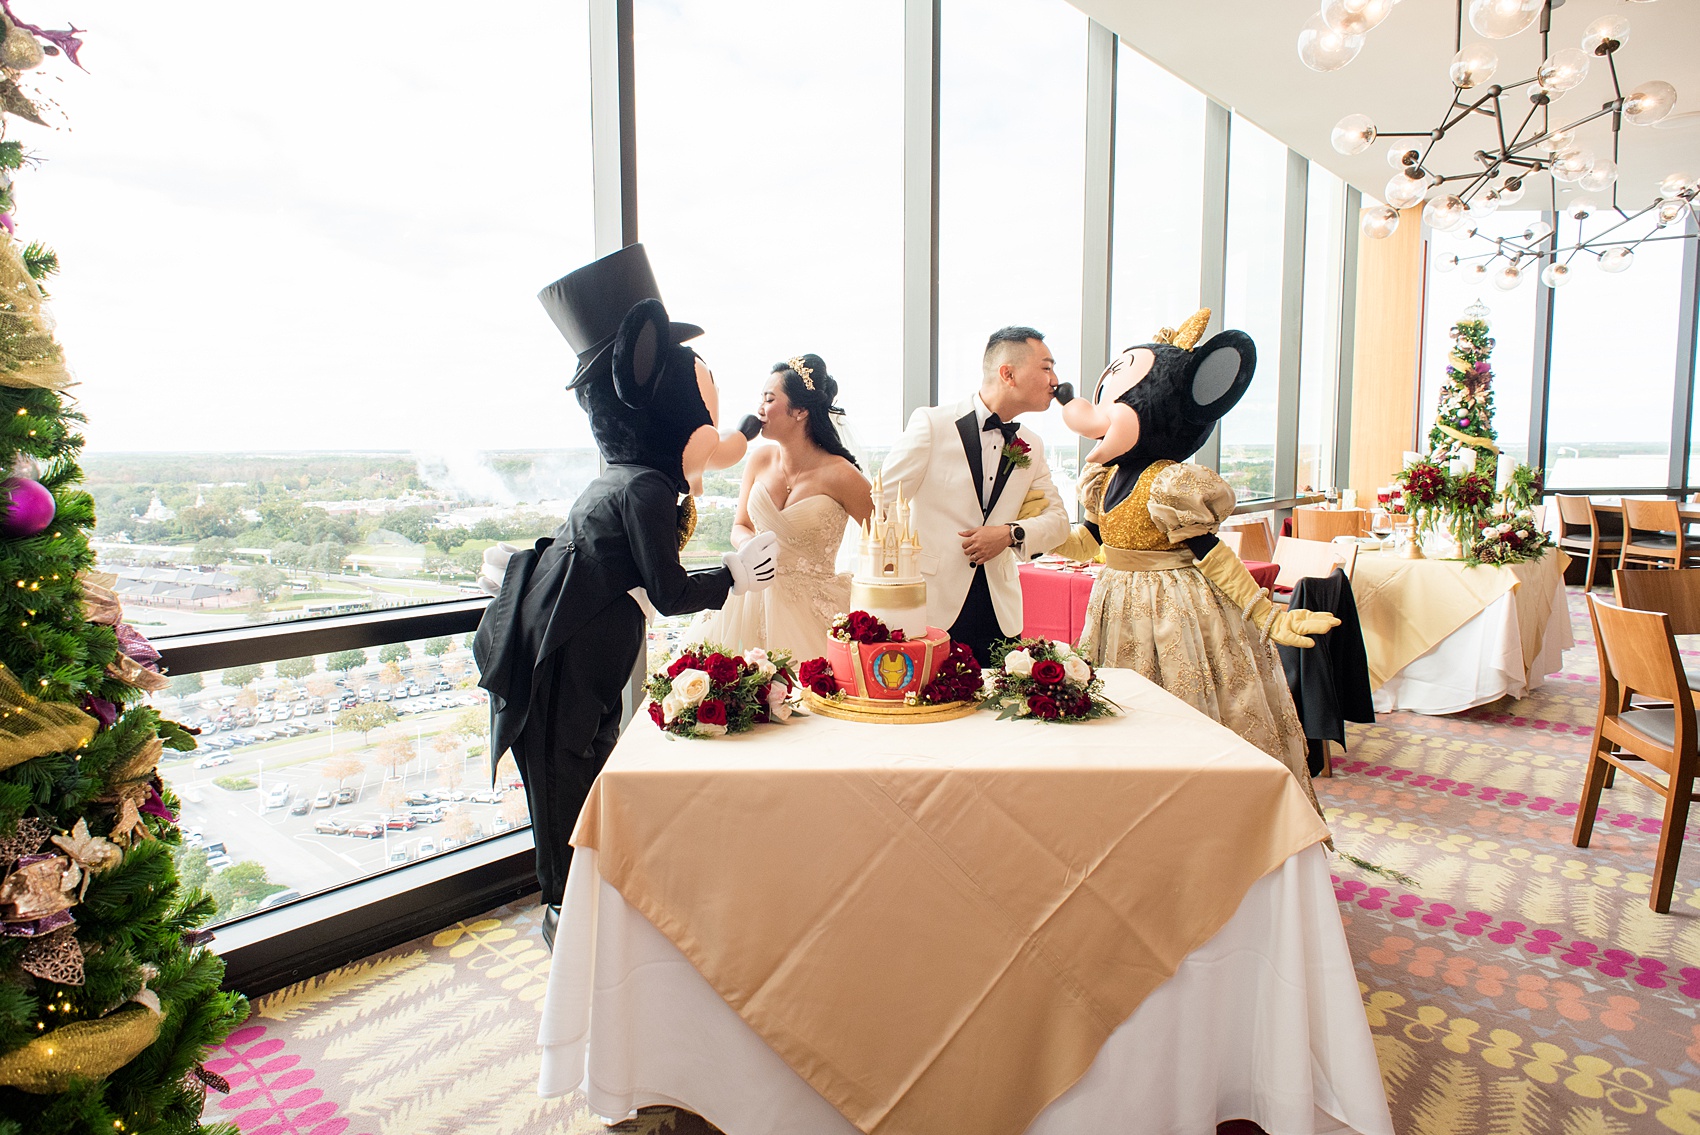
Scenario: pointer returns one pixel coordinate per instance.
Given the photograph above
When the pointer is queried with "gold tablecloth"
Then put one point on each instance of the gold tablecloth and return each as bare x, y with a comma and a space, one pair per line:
1406, 607
937, 926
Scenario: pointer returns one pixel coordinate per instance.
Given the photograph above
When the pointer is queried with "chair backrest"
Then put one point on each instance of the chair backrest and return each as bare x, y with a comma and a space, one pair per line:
1609, 525
1638, 654
1325, 524
1540, 511
1302, 559
1234, 538
1675, 592
1651, 516
1574, 515
1255, 541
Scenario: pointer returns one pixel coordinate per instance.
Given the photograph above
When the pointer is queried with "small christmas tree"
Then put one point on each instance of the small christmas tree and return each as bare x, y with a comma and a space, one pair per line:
108, 997
1464, 424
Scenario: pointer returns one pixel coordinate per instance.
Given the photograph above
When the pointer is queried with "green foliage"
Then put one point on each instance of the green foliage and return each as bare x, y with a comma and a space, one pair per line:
297, 668
238, 676
182, 685
395, 652
240, 887
264, 581
447, 539
40, 261
234, 783
343, 661
437, 647
11, 155
365, 718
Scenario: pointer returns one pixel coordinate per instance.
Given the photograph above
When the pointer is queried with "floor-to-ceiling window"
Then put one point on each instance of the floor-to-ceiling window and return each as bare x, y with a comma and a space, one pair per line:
1319, 355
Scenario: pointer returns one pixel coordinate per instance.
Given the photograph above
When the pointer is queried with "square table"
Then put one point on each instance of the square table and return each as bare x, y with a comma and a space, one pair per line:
968, 926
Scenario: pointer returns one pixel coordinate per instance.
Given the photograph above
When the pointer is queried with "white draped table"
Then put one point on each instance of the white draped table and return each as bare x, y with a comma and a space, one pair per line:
1261, 1021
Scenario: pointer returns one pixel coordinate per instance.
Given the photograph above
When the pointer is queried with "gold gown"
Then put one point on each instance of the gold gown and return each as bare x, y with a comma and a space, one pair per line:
1153, 611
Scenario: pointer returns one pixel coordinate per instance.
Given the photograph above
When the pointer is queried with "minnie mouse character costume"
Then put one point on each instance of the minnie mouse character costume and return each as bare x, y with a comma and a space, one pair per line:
1173, 601
559, 642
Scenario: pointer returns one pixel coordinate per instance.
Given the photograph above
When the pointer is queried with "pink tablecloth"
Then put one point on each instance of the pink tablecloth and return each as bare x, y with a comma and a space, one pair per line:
1053, 598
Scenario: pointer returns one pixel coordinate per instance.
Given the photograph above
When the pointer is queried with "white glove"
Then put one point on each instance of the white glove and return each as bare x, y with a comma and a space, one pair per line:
753, 565
496, 559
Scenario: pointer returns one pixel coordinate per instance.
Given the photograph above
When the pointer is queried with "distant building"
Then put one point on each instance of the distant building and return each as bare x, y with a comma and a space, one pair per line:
157, 511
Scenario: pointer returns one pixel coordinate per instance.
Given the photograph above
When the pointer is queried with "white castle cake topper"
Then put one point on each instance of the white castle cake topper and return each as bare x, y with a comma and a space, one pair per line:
890, 545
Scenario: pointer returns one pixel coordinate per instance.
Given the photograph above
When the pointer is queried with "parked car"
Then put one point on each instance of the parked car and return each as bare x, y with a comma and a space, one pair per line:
401, 823
302, 806
486, 797
348, 701
323, 799
279, 795
212, 760
427, 847
264, 717
413, 689
385, 694
332, 827
302, 709
421, 799
442, 685
279, 898
398, 692
366, 831
345, 796
429, 815
398, 854
499, 825
193, 837
365, 693
217, 857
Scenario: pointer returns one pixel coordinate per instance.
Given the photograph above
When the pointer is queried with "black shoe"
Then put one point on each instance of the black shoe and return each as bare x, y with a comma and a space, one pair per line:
551, 919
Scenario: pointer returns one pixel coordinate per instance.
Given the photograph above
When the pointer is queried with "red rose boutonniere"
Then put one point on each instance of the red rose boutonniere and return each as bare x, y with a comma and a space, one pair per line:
1016, 453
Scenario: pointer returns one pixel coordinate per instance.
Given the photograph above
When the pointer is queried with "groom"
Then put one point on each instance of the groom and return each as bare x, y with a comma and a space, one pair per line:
967, 468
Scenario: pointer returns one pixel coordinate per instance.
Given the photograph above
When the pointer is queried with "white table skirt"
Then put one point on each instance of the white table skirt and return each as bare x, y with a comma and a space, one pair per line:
1262, 1022
1479, 662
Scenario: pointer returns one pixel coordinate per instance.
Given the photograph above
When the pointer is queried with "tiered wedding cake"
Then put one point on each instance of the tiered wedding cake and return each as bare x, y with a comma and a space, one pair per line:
888, 585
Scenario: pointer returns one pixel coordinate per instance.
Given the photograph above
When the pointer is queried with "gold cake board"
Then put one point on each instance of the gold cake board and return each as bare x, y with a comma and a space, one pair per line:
848, 708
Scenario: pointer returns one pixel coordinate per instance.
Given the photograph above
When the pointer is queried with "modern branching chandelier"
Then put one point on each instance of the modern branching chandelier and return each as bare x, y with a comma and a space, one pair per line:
1526, 143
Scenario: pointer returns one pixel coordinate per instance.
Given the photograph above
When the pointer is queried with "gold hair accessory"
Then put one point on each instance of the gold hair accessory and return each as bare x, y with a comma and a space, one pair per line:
803, 372
1190, 332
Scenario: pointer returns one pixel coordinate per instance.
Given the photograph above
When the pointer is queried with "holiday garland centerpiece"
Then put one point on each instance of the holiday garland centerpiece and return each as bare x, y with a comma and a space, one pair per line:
109, 999
709, 691
1042, 680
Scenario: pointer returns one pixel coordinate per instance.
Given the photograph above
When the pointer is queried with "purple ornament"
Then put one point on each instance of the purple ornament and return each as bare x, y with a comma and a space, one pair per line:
28, 507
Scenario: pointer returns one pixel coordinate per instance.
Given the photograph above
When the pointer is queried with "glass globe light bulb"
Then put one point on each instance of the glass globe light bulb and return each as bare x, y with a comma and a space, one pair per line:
1501, 19
1562, 70
1473, 66
1538, 231
1600, 178
1444, 213
1466, 233
1671, 210
1401, 156
1478, 271
1605, 35
1615, 260
1378, 221
1321, 48
1676, 185
1572, 164
1402, 192
1446, 263
1354, 17
1353, 134
1555, 275
1511, 192
1484, 205
1507, 278
1580, 208
1558, 141
1649, 102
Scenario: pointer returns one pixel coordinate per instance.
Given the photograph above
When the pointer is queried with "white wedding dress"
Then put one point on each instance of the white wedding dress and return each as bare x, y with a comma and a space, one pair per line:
807, 592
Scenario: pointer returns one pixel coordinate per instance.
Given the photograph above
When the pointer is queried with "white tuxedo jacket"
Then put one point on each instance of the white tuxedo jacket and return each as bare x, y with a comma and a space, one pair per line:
937, 464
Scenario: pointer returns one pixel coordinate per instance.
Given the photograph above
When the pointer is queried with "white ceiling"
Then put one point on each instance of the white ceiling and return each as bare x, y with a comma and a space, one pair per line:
1243, 53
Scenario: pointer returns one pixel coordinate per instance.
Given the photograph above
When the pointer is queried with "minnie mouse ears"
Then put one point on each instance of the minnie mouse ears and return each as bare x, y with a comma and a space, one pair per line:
1217, 376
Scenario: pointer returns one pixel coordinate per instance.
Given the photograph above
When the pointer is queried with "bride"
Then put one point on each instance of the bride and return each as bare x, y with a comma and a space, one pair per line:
804, 488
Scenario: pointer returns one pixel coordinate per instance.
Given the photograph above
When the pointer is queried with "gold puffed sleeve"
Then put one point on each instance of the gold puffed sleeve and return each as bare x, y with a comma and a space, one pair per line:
1189, 501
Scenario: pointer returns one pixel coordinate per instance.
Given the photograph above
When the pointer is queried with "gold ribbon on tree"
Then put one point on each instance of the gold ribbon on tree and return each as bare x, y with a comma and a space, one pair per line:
1467, 439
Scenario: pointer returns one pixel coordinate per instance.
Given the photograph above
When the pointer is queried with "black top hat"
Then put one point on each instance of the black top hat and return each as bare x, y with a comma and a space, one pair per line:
587, 305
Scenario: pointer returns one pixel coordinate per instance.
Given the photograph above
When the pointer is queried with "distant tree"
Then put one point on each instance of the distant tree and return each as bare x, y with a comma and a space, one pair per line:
466, 641
390, 674
467, 561
514, 809
343, 661
451, 772
291, 553
412, 524
392, 795
448, 539
297, 667
453, 668
341, 768
320, 686
506, 769
437, 647
240, 887
458, 826
247, 698
472, 722
212, 551
362, 719
237, 676
394, 652
185, 684
438, 566
326, 557
394, 754
714, 531
264, 580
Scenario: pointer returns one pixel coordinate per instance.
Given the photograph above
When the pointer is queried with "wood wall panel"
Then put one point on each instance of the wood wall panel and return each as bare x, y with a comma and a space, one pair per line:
1386, 354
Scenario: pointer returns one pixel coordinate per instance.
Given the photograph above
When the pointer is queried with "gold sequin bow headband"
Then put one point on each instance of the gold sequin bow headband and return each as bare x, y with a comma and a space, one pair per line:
1190, 332
803, 372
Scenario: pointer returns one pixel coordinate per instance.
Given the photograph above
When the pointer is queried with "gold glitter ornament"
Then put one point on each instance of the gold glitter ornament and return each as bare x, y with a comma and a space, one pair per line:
91, 1050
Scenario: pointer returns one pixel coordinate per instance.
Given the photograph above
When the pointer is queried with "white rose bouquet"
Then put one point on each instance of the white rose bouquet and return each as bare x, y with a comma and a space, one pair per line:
1508, 540
708, 691
1044, 680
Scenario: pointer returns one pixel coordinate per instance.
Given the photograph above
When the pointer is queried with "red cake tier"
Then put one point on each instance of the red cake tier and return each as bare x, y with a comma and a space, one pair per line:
887, 671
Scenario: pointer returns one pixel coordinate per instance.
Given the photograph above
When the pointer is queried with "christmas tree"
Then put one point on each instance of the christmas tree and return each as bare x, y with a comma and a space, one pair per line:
108, 997
1464, 424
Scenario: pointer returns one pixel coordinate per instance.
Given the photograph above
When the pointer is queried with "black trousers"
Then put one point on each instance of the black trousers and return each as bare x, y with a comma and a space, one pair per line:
563, 748
977, 623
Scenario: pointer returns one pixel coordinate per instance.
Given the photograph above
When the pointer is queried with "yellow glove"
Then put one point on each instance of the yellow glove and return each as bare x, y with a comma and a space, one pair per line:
1033, 504
1289, 628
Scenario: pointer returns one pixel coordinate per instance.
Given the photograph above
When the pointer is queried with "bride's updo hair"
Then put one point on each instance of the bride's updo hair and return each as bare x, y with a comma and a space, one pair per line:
809, 387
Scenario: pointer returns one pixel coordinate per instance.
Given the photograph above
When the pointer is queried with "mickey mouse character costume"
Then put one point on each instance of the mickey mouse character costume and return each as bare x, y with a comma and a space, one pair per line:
558, 644
1173, 601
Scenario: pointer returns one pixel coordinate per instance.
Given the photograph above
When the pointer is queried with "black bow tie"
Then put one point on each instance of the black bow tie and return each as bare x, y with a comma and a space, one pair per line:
993, 422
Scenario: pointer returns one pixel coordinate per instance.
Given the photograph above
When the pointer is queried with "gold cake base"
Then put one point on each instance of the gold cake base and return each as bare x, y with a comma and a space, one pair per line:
850, 708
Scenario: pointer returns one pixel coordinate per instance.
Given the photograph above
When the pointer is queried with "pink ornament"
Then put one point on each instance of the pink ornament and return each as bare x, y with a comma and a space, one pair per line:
28, 507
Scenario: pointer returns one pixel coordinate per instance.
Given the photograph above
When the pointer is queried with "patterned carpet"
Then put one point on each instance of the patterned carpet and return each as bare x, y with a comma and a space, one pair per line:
1521, 987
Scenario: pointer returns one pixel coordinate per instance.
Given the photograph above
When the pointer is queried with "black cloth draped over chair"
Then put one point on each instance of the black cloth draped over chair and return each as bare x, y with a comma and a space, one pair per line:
1329, 681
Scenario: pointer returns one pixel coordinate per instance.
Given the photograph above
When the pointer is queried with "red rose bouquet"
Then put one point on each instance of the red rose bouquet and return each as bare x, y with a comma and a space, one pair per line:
1508, 540
859, 626
709, 692
1045, 680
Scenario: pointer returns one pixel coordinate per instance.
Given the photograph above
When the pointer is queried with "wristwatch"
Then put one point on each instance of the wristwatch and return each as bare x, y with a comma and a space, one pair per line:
1017, 535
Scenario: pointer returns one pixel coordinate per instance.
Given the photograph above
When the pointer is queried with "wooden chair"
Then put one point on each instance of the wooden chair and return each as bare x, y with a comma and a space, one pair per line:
1255, 541
1580, 532
1302, 559
1326, 523
1652, 534
1638, 656
1540, 511
1234, 538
